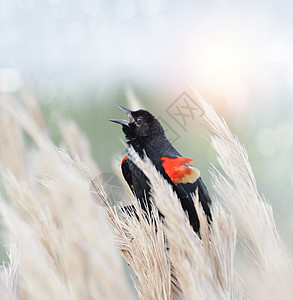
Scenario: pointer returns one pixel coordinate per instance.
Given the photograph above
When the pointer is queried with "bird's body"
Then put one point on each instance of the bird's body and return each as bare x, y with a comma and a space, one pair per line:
146, 135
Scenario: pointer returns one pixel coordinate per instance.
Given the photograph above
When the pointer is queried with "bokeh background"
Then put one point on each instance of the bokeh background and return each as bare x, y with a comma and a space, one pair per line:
81, 56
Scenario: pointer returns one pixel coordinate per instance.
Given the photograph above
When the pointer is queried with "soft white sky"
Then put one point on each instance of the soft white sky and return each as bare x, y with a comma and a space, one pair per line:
230, 47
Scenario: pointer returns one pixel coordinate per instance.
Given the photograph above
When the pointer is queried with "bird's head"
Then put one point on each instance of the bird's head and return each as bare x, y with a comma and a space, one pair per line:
141, 124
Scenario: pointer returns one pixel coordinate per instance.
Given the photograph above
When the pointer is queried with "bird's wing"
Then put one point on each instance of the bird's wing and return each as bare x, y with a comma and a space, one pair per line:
203, 195
180, 170
187, 180
130, 209
126, 172
138, 184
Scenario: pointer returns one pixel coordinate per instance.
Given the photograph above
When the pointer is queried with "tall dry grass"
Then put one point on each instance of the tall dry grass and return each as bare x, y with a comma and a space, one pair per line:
65, 241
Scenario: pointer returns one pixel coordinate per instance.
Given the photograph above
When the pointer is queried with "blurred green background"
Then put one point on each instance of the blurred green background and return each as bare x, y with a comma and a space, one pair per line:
82, 57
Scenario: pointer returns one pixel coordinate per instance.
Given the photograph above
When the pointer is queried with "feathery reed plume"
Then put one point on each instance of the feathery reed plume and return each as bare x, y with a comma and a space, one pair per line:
147, 255
9, 274
77, 143
237, 189
203, 267
132, 99
142, 243
64, 238
72, 244
12, 144
5, 293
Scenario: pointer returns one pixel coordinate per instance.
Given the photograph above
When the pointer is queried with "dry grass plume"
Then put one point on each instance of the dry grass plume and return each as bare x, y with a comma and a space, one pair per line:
65, 241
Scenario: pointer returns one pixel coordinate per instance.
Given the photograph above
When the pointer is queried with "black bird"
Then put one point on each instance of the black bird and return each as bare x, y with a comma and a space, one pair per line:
145, 134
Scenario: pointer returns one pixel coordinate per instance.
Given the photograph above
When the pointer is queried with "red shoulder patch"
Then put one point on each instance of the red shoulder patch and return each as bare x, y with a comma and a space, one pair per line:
123, 160
180, 170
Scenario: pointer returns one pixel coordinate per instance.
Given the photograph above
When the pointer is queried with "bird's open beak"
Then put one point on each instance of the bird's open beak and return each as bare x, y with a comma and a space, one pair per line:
124, 122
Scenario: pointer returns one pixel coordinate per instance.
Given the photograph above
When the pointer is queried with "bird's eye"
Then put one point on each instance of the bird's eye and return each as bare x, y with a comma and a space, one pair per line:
139, 120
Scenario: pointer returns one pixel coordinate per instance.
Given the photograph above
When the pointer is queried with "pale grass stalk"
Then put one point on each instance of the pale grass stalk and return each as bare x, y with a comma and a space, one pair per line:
64, 238
12, 144
198, 263
70, 242
31, 105
39, 281
132, 99
5, 293
78, 144
9, 274
141, 242
147, 256
272, 275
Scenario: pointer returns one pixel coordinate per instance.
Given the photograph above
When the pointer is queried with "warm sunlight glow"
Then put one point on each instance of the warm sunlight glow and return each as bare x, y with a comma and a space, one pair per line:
223, 60
222, 66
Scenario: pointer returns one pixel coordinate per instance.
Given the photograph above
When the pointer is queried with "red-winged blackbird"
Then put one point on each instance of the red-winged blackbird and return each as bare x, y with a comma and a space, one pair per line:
145, 134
